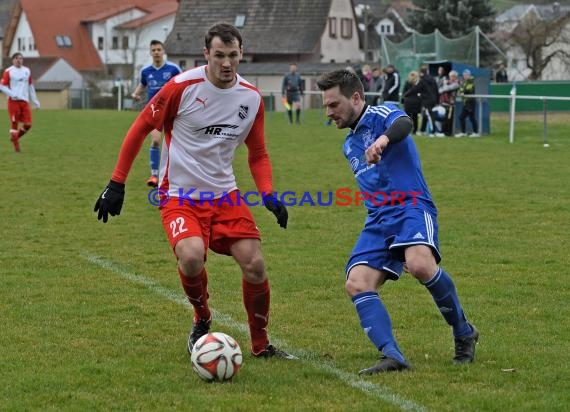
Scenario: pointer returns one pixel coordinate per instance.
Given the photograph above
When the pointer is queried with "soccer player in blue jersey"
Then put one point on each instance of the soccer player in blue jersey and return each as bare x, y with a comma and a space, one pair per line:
400, 231
152, 78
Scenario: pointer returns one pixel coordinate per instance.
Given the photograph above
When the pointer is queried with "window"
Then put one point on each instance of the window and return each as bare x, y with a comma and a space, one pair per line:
346, 28
239, 21
386, 28
115, 43
63, 41
332, 27
31, 43
100, 43
182, 64
125, 42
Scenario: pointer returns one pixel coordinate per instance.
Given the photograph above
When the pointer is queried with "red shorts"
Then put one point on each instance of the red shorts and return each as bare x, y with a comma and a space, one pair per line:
19, 111
219, 224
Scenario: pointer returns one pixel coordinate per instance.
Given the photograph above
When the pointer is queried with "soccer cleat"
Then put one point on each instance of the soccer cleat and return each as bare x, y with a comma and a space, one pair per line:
465, 347
152, 181
271, 351
386, 364
460, 135
474, 135
200, 327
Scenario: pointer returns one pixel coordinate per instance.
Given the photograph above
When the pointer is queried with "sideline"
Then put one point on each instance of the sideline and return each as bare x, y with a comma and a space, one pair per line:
348, 378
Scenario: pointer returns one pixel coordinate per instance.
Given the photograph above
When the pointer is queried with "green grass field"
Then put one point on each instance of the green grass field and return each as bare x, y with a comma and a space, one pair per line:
93, 316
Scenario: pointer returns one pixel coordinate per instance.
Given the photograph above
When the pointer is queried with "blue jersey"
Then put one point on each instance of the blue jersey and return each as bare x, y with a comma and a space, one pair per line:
397, 180
154, 78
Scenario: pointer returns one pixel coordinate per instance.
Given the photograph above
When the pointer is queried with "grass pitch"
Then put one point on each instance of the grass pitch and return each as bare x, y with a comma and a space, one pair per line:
93, 316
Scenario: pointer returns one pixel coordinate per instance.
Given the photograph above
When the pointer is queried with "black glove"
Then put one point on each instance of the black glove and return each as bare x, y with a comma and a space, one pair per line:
278, 209
110, 201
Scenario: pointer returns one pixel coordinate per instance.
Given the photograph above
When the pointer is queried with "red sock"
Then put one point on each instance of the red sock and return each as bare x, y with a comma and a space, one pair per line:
196, 290
14, 139
256, 301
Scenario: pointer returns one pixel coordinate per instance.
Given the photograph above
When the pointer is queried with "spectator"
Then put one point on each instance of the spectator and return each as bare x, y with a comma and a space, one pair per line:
441, 76
429, 96
411, 98
378, 82
501, 74
447, 94
466, 89
368, 83
391, 89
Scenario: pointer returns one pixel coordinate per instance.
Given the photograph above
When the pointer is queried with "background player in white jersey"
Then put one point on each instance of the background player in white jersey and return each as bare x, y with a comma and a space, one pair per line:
206, 113
152, 78
17, 84
385, 163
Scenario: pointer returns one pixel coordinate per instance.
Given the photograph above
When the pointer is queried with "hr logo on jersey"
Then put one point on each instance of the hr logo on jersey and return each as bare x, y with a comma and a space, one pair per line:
218, 130
243, 112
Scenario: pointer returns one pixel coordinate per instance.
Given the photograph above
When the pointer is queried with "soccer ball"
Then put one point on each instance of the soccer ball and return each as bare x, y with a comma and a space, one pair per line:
216, 357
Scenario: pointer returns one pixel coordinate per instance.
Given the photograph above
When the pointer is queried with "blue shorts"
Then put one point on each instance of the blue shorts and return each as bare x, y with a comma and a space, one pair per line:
384, 239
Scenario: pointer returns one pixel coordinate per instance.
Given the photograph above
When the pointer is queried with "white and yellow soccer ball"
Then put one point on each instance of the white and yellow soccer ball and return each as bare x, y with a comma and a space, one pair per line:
216, 357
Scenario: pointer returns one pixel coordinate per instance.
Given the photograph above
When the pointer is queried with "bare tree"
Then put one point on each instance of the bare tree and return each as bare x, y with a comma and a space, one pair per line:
542, 41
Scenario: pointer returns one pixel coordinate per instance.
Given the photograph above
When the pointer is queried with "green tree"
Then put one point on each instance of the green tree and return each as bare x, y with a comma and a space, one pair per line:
453, 18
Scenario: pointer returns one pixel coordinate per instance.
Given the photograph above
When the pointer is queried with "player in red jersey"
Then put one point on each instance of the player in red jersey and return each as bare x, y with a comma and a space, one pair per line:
17, 84
206, 113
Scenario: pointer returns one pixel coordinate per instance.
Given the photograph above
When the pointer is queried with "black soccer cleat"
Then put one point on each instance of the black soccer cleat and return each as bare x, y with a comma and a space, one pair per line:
199, 329
386, 364
465, 347
271, 351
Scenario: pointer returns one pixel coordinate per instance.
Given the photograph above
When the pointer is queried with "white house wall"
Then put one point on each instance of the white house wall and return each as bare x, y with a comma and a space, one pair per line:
339, 49
62, 71
107, 30
24, 32
157, 30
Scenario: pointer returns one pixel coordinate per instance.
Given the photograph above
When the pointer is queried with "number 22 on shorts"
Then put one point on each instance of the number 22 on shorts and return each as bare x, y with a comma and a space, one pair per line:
177, 226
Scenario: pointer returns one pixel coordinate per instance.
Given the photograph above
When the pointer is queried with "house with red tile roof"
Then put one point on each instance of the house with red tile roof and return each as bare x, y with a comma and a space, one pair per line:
102, 36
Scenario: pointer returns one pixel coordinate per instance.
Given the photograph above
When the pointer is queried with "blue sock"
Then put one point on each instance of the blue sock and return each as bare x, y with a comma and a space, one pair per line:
376, 323
154, 153
445, 296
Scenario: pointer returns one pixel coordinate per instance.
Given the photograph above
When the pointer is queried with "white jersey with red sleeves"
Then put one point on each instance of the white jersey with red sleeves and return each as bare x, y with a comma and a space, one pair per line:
203, 125
18, 79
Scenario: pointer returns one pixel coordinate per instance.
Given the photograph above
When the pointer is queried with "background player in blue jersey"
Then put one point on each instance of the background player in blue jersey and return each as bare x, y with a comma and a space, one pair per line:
152, 78
401, 226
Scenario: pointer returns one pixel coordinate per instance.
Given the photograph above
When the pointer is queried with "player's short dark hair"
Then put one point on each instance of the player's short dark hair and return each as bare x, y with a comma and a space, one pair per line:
225, 31
17, 54
155, 42
347, 82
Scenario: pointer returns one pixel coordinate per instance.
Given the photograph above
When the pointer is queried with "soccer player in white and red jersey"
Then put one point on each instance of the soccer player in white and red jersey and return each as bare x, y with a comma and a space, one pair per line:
17, 84
206, 113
